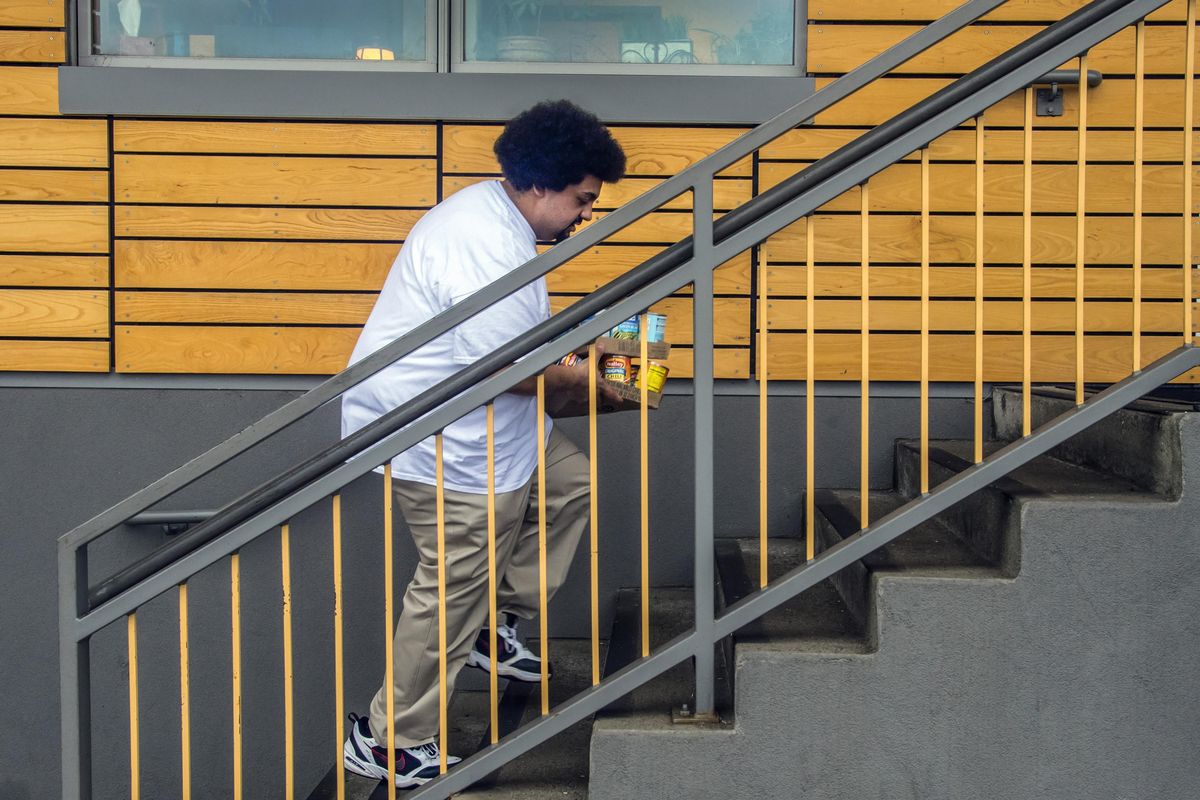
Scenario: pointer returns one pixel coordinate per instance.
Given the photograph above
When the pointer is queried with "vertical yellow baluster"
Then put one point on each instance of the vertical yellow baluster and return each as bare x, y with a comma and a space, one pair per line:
595, 514
810, 400
543, 617
443, 693
1080, 232
185, 706
1027, 270
644, 420
978, 289
338, 658
289, 712
235, 619
389, 612
865, 376
135, 771
762, 416
925, 321
1139, 89
493, 691
1189, 99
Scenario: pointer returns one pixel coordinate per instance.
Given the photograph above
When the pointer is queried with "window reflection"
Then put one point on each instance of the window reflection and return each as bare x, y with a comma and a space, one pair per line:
322, 29
612, 31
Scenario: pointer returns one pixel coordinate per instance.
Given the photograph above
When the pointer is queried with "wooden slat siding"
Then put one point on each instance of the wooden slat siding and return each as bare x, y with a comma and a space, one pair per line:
54, 186
895, 238
841, 48
1110, 283
595, 267
78, 271
659, 227
53, 143
307, 308
49, 313
294, 138
810, 144
231, 349
252, 265
33, 13
1049, 316
728, 362
29, 91
53, 228
269, 180
731, 316
727, 193
33, 47
952, 356
217, 222
61, 356
1109, 188
649, 151
929, 10
1110, 104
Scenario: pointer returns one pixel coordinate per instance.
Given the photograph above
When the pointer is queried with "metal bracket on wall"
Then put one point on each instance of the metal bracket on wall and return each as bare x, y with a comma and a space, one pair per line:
1050, 100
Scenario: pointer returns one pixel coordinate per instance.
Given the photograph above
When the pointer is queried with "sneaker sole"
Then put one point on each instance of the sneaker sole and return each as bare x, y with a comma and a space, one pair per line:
480, 661
372, 770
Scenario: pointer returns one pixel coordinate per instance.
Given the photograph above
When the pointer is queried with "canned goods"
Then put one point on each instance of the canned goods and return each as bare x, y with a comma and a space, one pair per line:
626, 330
616, 368
570, 359
656, 327
657, 376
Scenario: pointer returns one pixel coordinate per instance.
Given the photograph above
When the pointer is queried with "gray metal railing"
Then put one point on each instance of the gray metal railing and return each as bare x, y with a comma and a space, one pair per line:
84, 609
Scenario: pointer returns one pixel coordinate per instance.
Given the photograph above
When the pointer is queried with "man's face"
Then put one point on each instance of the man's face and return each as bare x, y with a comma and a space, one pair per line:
556, 214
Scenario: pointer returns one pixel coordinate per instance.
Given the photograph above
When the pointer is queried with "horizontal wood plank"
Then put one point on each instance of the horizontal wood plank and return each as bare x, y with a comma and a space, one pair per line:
233, 350
659, 227
26, 91
40, 313
727, 193
929, 10
33, 13
648, 151
61, 356
315, 308
53, 143
731, 318
895, 357
53, 228
598, 265
33, 47
296, 138
267, 180
335, 224
252, 265
728, 363
81, 271
56, 186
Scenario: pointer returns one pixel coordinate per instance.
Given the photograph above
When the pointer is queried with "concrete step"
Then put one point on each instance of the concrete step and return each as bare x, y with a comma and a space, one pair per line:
1140, 443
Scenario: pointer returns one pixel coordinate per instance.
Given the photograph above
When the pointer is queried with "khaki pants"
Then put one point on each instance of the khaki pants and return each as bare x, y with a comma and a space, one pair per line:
416, 642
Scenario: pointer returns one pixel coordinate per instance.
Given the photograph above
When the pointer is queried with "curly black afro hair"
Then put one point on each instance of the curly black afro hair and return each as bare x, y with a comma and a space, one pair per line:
555, 144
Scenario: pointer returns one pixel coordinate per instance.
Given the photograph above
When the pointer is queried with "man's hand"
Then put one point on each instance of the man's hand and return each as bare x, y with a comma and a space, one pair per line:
568, 390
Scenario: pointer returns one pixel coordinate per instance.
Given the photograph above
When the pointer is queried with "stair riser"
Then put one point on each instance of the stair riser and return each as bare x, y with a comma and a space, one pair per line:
851, 582
1142, 447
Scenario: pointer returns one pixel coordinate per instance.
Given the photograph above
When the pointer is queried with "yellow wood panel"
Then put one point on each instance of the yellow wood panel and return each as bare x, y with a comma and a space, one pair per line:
293, 180
61, 356
244, 307
37, 313
54, 229
731, 318
33, 46
53, 143
659, 227
895, 356
897, 238
1109, 105
1107, 283
299, 138
952, 188
252, 265
728, 193
597, 266
929, 10
29, 91
841, 48
232, 349
32, 13
728, 362
648, 151
82, 271
959, 315
58, 185
337, 224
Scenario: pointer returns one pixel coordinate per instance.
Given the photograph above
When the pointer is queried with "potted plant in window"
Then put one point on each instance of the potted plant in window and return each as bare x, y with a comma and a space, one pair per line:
520, 28
666, 40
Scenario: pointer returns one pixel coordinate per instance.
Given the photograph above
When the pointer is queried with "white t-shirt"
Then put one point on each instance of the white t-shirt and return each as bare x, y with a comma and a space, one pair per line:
461, 245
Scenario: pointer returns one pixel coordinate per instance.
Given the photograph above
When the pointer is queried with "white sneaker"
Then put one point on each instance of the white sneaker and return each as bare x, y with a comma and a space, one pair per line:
516, 661
363, 755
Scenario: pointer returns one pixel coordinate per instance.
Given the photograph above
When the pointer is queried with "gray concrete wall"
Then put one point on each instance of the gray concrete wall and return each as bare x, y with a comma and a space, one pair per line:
70, 453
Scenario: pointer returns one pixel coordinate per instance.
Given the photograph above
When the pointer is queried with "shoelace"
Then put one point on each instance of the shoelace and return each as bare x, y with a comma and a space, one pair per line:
429, 749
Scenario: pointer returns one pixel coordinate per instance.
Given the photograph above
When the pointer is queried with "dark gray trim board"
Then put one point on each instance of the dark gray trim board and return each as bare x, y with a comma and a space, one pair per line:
331, 94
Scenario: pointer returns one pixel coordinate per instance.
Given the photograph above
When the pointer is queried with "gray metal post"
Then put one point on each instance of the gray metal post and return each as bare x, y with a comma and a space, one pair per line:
75, 680
702, 382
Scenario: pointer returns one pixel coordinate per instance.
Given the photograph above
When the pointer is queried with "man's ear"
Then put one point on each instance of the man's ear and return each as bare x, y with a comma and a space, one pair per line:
537, 191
